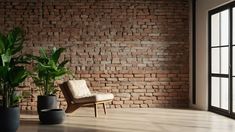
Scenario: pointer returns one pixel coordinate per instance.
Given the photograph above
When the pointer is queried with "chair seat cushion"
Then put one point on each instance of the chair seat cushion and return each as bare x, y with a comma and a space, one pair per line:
97, 97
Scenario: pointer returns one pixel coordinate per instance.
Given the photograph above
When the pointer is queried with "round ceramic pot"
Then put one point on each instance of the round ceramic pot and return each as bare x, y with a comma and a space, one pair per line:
46, 102
52, 116
9, 119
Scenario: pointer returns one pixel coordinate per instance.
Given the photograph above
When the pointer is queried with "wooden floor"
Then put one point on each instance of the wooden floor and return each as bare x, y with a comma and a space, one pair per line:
134, 120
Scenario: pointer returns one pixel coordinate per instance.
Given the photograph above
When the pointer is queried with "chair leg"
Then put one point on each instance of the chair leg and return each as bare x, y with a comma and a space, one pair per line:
71, 108
105, 112
95, 108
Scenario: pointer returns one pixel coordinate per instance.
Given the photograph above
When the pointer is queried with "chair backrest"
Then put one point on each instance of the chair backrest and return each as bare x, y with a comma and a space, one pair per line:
78, 88
66, 92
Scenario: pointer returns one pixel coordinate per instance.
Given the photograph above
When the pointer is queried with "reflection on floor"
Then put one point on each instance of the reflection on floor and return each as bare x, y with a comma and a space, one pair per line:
134, 120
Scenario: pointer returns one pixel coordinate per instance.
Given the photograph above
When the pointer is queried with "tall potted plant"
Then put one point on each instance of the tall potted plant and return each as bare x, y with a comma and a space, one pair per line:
12, 73
48, 69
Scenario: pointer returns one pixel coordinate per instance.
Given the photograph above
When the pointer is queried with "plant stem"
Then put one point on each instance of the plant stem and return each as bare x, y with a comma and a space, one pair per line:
46, 92
11, 95
5, 96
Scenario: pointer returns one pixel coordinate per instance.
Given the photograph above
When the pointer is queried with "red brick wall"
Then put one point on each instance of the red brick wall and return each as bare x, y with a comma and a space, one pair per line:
136, 49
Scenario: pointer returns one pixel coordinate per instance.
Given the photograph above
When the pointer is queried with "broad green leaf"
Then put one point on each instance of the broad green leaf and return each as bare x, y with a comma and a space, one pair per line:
15, 40
43, 53
63, 63
19, 60
44, 66
53, 50
4, 72
15, 99
56, 54
52, 64
59, 73
17, 75
5, 59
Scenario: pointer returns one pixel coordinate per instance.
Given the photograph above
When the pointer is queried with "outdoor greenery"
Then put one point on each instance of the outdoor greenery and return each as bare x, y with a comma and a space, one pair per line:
12, 71
48, 69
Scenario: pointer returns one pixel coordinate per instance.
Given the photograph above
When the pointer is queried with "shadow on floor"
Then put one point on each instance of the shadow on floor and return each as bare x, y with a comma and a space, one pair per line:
27, 125
29, 122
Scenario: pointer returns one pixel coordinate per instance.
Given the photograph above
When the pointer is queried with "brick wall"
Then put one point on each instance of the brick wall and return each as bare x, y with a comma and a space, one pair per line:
136, 49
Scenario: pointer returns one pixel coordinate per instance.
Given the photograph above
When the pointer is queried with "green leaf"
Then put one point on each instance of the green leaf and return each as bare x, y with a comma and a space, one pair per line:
56, 54
15, 40
52, 64
38, 81
60, 72
40, 59
44, 66
4, 72
15, 99
5, 59
43, 53
20, 60
17, 75
63, 63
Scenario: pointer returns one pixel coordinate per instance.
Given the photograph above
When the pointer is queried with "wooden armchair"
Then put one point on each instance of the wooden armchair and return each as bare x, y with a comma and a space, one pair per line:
77, 94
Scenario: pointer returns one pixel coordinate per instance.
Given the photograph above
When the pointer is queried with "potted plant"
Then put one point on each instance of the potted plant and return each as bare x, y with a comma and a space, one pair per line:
48, 69
12, 74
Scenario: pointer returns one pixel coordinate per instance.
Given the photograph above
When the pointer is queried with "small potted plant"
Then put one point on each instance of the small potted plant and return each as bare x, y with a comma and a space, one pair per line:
12, 74
48, 69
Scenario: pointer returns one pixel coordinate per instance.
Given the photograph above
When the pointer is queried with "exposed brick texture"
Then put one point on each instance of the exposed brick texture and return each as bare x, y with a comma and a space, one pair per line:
136, 49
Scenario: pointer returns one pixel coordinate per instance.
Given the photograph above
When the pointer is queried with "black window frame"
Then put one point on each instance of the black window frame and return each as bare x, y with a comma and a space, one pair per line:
229, 112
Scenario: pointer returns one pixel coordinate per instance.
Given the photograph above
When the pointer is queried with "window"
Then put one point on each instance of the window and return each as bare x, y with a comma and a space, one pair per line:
222, 60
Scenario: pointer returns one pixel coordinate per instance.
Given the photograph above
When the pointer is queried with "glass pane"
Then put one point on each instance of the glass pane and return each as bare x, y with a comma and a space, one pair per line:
215, 60
224, 93
224, 27
215, 91
224, 60
215, 29
233, 61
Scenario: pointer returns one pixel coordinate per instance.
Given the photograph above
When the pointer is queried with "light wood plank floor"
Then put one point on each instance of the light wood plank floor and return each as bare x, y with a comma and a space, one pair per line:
134, 120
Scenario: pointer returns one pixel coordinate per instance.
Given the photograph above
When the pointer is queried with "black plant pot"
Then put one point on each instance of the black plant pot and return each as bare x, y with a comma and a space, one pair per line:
52, 116
46, 102
9, 119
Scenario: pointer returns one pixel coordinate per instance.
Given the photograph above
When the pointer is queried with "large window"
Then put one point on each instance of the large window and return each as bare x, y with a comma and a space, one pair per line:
222, 60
